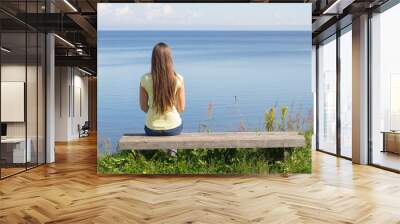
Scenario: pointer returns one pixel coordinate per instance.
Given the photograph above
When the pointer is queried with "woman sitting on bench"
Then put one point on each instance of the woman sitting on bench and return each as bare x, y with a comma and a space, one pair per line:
162, 94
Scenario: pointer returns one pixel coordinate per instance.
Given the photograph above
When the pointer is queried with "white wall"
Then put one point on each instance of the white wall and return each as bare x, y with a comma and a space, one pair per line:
17, 72
14, 72
70, 83
62, 82
79, 117
13, 101
33, 126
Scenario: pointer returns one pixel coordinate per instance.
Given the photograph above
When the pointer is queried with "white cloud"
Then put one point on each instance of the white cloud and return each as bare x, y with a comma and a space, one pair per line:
124, 11
139, 16
167, 9
104, 7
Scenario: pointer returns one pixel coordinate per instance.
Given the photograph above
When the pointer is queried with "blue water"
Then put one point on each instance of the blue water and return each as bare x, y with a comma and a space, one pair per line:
231, 78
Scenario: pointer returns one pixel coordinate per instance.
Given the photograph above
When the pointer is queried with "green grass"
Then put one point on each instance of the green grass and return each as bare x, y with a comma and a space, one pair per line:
209, 161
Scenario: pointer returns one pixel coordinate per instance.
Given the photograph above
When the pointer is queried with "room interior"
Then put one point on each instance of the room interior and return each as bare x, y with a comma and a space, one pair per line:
50, 82
24, 66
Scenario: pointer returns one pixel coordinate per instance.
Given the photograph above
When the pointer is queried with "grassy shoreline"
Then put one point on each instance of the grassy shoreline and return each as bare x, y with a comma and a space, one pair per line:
220, 161
209, 161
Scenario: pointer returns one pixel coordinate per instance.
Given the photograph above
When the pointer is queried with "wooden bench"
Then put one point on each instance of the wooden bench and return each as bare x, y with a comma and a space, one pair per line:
213, 140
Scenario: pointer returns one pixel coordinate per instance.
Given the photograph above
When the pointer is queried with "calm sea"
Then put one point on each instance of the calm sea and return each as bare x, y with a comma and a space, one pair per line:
231, 78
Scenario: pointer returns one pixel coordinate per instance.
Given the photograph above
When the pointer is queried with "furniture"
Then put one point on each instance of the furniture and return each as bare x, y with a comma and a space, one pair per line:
391, 141
13, 150
84, 130
213, 140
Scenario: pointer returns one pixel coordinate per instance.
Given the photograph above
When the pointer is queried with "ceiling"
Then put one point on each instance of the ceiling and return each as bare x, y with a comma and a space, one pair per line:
76, 21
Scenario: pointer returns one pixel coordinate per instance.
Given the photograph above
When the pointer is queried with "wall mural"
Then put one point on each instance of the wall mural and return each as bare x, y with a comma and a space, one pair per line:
232, 82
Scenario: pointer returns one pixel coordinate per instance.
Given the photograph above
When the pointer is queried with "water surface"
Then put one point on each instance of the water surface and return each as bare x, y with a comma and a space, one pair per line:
231, 78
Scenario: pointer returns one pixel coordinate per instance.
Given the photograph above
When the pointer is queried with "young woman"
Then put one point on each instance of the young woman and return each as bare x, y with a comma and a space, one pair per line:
162, 94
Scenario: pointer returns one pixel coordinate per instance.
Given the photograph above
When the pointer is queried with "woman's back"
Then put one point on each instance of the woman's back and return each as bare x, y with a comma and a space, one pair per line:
166, 120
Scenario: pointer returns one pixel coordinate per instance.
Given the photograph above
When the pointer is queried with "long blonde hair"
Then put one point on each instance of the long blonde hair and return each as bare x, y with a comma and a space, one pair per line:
164, 78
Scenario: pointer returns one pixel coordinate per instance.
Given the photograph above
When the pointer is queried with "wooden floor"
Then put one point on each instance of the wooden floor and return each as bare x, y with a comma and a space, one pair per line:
70, 191
10, 171
387, 159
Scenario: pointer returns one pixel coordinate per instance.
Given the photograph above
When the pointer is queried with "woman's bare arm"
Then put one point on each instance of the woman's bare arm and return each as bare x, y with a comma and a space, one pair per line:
144, 100
180, 102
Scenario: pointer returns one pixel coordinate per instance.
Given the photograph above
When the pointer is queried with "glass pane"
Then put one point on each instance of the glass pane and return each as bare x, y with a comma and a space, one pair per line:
41, 98
31, 100
346, 93
385, 93
327, 96
13, 86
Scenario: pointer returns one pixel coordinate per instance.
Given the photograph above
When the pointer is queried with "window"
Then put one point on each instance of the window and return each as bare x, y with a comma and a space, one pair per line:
22, 88
14, 155
385, 89
327, 95
346, 93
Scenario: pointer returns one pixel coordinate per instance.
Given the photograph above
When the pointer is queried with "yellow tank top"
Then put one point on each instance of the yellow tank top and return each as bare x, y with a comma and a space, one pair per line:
168, 120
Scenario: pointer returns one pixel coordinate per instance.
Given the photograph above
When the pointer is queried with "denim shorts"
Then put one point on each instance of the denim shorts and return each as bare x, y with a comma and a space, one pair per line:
169, 132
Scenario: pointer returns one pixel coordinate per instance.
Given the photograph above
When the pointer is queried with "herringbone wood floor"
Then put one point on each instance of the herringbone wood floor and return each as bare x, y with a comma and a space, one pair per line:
70, 191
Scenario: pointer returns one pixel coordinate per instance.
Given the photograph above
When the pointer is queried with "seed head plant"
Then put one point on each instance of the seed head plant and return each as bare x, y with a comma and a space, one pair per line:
284, 112
269, 119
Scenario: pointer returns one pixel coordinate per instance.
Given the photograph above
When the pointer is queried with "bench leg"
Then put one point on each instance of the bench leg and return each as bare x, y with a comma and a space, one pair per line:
287, 152
286, 155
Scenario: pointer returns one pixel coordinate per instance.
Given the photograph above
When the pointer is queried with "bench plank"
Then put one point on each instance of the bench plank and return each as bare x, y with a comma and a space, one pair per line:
213, 140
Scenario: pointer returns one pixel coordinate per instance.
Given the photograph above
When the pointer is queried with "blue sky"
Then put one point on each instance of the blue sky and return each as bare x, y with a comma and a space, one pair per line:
203, 16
